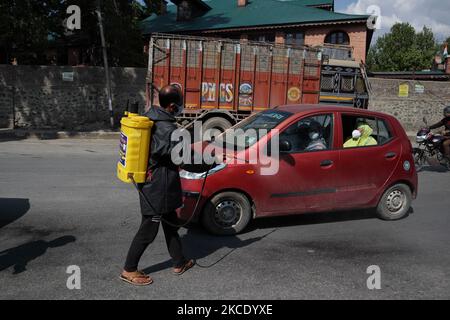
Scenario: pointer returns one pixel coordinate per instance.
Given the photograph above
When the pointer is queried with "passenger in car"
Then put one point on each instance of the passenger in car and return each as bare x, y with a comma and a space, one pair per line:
361, 137
317, 142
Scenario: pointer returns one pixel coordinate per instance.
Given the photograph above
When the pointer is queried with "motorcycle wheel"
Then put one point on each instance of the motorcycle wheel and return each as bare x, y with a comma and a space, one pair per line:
419, 158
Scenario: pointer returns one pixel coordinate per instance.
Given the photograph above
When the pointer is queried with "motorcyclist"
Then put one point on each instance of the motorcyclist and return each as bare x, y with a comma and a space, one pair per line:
445, 122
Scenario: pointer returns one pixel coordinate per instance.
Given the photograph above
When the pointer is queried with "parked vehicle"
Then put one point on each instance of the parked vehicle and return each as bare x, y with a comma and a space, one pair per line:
225, 81
429, 145
380, 176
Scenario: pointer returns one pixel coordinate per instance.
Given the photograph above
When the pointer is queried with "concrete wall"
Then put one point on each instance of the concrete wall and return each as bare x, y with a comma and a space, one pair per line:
42, 100
412, 109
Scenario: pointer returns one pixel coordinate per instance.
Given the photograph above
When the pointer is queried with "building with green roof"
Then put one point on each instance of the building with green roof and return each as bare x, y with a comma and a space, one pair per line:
296, 22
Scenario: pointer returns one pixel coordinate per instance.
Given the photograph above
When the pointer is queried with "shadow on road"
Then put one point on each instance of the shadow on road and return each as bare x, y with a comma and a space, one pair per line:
438, 168
311, 218
20, 256
12, 209
198, 245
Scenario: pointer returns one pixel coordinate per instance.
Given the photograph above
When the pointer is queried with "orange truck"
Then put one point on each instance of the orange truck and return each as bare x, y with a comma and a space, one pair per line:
224, 81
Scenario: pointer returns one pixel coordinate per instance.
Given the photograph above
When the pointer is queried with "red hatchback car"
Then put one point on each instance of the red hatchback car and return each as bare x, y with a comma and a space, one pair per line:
330, 159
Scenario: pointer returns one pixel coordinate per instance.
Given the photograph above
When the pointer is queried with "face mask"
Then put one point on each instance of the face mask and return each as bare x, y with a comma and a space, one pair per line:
313, 135
356, 134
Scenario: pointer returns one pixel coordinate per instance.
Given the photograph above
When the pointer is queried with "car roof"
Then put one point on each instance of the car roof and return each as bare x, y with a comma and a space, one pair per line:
306, 108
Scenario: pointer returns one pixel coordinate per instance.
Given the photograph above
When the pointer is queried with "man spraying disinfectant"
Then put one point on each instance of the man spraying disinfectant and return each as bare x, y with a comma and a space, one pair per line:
160, 193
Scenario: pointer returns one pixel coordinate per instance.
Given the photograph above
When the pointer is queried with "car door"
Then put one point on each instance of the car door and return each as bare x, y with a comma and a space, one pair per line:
306, 178
364, 170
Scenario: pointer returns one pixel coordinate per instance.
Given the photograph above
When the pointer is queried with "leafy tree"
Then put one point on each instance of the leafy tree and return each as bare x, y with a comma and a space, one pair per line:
25, 27
29, 28
403, 49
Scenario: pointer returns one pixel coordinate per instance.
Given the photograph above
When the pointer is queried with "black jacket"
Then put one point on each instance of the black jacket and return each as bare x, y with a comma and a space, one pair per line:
444, 122
163, 187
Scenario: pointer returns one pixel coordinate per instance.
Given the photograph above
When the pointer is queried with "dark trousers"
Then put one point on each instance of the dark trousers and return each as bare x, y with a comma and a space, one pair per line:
146, 235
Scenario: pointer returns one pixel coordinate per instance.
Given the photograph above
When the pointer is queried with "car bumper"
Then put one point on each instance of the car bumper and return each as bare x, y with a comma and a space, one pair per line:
191, 194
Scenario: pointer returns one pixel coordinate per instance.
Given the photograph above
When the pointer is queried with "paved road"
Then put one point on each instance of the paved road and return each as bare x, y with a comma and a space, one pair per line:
61, 205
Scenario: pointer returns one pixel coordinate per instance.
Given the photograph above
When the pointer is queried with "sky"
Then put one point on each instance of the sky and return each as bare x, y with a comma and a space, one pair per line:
432, 13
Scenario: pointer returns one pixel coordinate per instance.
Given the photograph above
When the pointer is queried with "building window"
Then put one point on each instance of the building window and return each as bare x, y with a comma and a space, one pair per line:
295, 39
338, 37
262, 37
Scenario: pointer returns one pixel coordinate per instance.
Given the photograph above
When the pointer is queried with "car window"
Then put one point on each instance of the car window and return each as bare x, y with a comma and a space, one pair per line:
384, 134
249, 131
310, 134
360, 131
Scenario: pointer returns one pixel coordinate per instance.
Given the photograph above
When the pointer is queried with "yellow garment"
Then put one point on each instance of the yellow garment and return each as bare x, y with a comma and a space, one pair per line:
365, 140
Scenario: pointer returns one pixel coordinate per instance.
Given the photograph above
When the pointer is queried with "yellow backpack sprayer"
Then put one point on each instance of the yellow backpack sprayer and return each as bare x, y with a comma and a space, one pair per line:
134, 150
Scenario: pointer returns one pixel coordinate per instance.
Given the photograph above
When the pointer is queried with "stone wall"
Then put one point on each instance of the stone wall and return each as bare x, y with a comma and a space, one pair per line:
410, 110
37, 97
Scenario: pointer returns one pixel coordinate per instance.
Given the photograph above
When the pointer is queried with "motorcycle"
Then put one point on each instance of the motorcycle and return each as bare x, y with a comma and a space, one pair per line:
429, 145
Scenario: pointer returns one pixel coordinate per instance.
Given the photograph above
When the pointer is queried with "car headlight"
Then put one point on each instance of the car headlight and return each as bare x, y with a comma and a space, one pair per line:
421, 138
196, 176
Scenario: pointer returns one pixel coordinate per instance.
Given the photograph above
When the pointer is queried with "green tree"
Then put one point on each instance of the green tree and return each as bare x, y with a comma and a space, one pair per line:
29, 28
403, 49
25, 27
121, 20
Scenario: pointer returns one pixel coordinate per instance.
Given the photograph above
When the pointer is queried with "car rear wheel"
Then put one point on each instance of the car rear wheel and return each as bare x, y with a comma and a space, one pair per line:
227, 213
395, 203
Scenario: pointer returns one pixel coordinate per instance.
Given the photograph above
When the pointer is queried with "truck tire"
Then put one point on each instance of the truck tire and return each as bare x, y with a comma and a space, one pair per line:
227, 213
218, 123
395, 203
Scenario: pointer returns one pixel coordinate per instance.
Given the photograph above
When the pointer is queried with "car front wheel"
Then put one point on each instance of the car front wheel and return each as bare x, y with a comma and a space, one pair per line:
227, 213
395, 203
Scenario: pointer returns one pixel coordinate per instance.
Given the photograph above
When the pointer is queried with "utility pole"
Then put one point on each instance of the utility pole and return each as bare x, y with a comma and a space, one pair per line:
105, 61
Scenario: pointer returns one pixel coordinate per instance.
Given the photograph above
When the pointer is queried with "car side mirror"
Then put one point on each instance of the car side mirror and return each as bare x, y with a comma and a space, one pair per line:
285, 146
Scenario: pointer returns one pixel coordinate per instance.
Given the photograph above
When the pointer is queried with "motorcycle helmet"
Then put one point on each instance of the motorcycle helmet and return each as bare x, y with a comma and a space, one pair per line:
447, 112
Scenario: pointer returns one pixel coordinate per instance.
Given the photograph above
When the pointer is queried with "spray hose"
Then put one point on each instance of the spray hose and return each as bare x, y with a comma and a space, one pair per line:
195, 207
191, 218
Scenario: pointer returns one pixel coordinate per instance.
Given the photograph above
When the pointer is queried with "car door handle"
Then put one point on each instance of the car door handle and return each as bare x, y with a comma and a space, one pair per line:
390, 155
326, 163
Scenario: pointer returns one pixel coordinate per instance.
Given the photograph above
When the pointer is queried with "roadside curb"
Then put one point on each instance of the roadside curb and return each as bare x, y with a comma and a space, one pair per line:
19, 134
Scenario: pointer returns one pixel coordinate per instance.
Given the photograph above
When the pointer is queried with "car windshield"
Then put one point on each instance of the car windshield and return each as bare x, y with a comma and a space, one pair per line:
247, 132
